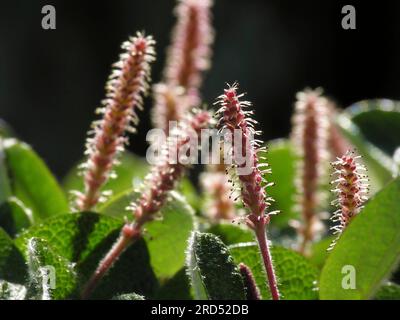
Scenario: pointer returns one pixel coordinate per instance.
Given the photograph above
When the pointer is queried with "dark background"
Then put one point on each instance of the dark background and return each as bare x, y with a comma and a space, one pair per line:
51, 81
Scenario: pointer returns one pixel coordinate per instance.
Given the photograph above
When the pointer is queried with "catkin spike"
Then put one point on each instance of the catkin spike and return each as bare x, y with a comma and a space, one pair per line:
126, 85
233, 120
310, 137
166, 174
187, 58
189, 53
351, 189
234, 125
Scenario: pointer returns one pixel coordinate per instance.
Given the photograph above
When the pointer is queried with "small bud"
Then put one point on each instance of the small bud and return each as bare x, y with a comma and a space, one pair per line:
252, 291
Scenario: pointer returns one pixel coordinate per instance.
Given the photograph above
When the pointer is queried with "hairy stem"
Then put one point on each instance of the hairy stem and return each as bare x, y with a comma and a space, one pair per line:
261, 236
130, 233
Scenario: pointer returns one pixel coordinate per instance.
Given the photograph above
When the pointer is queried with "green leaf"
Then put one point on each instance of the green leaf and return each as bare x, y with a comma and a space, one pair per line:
211, 268
370, 245
167, 237
12, 291
131, 273
85, 238
378, 163
14, 216
230, 233
73, 235
281, 159
389, 291
296, 276
12, 263
128, 296
176, 288
51, 276
378, 121
32, 181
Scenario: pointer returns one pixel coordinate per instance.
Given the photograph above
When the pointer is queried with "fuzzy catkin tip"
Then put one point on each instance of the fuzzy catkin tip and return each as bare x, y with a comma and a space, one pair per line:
237, 127
168, 171
127, 84
189, 54
351, 189
310, 138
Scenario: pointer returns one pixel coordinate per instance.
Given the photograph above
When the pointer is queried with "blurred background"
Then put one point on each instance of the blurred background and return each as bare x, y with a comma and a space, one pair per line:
51, 81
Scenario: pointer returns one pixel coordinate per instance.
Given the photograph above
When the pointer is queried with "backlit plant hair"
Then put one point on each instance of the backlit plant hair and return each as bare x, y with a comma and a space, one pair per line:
162, 179
236, 121
310, 138
125, 87
187, 58
351, 189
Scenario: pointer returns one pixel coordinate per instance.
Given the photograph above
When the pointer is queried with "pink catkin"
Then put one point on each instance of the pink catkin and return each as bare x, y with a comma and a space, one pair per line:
351, 188
310, 137
167, 173
126, 85
234, 118
189, 53
235, 122
163, 178
187, 58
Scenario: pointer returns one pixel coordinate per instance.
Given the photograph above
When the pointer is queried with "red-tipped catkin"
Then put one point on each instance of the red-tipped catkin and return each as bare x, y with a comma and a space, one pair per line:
127, 83
189, 53
163, 178
234, 122
310, 138
351, 188
237, 127
252, 291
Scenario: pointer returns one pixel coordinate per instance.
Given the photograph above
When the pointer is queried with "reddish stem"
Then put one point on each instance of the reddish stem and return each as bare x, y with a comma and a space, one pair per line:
261, 236
129, 234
